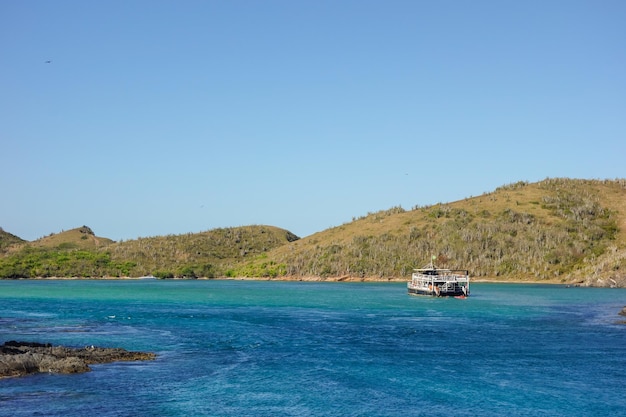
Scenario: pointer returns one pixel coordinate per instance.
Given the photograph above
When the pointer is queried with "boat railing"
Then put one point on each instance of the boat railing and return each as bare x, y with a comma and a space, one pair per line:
446, 277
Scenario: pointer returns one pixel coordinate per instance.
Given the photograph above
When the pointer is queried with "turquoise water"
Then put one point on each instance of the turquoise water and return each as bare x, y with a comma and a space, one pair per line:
256, 348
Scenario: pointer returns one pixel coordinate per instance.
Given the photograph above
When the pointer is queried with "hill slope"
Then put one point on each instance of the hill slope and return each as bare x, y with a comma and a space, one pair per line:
207, 254
8, 240
557, 230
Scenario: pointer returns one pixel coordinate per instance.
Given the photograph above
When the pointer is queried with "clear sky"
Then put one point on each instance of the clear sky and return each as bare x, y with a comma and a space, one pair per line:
166, 117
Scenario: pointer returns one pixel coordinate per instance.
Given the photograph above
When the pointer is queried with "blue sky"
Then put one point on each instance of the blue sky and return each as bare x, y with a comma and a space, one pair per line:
167, 117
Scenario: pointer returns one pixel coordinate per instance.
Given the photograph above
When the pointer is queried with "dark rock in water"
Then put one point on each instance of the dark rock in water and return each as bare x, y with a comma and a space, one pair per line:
622, 313
23, 358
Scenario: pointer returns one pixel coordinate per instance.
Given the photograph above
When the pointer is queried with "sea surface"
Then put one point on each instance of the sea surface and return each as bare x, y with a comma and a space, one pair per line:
260, 348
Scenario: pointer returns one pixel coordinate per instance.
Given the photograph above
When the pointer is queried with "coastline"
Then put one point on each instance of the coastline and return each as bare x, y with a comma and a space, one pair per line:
344, 278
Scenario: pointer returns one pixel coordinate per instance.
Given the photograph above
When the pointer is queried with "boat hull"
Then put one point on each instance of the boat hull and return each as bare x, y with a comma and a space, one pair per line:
431, 293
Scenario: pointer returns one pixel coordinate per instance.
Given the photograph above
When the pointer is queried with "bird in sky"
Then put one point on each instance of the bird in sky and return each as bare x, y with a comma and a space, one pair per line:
49, 62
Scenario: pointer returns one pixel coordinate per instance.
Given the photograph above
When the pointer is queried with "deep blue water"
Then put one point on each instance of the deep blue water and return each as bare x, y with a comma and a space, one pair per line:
257, 348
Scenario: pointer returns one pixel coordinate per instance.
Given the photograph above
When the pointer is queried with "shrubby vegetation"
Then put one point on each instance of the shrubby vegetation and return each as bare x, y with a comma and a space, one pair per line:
42, 262
259, 267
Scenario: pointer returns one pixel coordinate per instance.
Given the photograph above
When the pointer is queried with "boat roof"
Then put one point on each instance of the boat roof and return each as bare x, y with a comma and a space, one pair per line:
434, 269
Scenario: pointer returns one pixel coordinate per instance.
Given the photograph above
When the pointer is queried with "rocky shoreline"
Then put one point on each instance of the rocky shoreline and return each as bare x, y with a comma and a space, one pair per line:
25, 358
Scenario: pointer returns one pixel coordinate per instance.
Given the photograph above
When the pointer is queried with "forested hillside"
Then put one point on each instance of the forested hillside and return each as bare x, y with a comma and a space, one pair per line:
556, 230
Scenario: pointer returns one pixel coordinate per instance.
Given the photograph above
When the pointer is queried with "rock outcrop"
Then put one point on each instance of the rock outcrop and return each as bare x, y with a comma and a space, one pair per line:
23, 358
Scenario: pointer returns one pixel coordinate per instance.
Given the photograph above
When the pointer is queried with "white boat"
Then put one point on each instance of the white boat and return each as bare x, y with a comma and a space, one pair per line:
439, 282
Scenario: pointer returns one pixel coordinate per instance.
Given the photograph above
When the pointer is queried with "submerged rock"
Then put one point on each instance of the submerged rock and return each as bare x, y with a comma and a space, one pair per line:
23, 358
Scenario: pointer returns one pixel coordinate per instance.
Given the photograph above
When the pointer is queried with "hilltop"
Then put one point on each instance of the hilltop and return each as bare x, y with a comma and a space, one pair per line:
556, 230
78, 238
8, 241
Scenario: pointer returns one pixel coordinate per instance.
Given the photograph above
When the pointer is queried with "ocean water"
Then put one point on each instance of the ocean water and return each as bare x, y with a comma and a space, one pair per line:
258, 348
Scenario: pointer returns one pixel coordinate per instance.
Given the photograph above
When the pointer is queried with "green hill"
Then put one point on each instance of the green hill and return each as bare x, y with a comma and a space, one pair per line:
556, 230
74, 252
79, 253
208, 254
